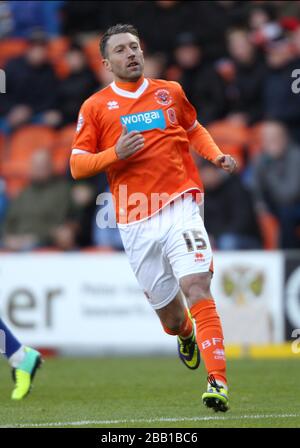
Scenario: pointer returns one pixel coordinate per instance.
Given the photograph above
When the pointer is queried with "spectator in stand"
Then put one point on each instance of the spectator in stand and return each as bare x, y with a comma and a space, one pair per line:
79, 84
154, 65
280, 102
295, 40
277, 181
84, 195
170, 18
32, 89
30, 16
245, 91
79, 17
264, 25
228, 211
42, 214
200, 81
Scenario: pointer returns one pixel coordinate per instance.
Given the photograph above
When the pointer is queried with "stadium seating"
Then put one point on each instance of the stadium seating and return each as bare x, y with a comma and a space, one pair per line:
11, 48
22, 144
57, 49
62, 148
232, 138
269, 230
91, 50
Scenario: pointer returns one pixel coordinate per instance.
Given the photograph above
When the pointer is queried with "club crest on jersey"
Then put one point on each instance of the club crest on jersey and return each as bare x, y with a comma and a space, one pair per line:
112, 105
163, 97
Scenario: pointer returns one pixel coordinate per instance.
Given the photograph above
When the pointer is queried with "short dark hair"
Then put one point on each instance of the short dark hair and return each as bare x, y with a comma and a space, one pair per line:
116, 29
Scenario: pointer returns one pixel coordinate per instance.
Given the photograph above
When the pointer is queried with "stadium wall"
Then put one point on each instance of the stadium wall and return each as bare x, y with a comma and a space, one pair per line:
91, 303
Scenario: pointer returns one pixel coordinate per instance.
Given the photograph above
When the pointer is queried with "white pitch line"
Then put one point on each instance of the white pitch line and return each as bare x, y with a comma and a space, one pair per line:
151, 420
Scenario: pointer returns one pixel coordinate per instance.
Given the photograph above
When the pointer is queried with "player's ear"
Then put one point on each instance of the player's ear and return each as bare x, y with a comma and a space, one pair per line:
106, 64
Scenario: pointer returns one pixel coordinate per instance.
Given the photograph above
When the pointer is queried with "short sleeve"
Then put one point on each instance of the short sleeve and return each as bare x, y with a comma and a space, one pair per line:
187, 114
86, 135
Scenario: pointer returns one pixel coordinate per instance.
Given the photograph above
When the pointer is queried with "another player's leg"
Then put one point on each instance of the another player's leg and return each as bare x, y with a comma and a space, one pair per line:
23, 360
210, 340
176, 321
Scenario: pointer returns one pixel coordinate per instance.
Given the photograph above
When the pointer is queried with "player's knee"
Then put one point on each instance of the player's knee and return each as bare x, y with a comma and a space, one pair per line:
196, 287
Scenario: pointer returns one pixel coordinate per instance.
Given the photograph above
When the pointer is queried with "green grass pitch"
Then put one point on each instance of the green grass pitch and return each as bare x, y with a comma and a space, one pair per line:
152, 392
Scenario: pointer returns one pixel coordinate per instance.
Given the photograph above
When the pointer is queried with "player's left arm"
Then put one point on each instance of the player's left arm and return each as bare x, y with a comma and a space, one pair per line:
200, 139
202, 142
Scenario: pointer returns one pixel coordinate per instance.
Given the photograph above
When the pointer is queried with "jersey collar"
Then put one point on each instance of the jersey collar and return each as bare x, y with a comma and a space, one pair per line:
128, 94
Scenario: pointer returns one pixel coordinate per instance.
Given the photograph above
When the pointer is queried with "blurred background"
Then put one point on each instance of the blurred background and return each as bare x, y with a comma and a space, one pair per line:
236, 60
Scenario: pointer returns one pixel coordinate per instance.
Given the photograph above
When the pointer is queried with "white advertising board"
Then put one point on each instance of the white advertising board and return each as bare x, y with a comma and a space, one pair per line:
93, 302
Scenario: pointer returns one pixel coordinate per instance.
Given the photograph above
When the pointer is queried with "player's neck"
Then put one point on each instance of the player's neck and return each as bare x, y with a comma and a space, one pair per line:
131, 86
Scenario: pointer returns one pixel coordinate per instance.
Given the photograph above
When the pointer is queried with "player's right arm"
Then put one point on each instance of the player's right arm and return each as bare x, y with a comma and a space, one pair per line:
85, 161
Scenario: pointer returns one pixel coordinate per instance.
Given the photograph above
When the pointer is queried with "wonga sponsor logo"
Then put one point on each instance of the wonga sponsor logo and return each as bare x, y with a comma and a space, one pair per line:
144, 121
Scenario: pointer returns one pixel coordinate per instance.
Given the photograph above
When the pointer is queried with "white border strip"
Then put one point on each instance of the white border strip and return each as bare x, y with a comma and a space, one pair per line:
192, 127
80, 151
152, 420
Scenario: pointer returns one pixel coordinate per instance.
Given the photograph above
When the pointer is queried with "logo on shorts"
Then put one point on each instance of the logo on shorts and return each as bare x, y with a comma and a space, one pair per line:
163, 97
199, 257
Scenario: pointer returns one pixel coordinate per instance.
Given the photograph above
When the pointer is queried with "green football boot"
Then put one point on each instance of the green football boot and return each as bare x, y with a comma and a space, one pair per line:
216, 396
189, 352
23, 374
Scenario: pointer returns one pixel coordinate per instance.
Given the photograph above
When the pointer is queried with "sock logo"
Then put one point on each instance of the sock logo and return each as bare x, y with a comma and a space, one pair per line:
219, 354
211, 342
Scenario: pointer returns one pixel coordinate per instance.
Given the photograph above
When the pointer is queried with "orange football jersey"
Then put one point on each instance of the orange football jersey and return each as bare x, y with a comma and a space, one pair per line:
163, 168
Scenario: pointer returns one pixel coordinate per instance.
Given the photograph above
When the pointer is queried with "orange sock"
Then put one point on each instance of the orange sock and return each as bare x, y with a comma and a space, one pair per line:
210, 338
185, 329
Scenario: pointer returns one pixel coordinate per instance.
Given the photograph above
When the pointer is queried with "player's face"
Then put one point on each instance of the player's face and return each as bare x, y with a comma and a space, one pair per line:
124, 57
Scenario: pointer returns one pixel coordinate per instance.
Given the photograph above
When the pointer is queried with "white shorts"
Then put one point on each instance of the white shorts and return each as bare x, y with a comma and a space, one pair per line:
166, 247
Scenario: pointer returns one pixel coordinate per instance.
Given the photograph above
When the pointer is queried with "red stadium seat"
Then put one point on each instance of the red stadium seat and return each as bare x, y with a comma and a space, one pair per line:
269, 229
57, 49
62, 148
24, 142
232, 138
11, 48
92, 52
